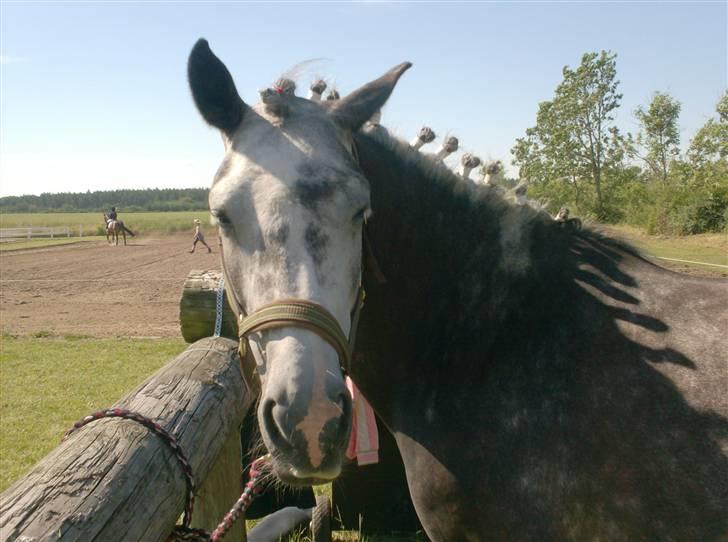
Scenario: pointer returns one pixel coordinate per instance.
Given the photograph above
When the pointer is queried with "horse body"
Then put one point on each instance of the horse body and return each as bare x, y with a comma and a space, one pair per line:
541, 383
113, 229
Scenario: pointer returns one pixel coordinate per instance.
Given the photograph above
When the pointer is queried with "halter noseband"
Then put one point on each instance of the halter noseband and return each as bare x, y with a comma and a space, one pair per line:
296, 313
305, 314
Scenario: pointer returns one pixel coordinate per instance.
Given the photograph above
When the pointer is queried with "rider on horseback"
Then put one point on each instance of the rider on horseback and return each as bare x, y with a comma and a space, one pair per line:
112, 217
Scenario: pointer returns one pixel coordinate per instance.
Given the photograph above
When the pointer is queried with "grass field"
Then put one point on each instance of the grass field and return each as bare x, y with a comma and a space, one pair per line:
93, 223
710, 248
47, 383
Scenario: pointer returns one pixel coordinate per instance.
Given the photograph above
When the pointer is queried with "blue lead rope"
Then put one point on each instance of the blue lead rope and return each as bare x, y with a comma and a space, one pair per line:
219, 306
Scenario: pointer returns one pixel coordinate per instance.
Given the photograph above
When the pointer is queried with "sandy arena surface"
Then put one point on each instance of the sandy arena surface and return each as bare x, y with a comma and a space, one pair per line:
95, 289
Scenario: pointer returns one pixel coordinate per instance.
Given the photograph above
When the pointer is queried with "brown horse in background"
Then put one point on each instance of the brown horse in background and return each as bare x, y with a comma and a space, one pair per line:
113, 228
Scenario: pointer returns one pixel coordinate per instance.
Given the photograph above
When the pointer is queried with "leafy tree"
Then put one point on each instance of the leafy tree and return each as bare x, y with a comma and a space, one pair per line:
574, 139
659, 134
710, 143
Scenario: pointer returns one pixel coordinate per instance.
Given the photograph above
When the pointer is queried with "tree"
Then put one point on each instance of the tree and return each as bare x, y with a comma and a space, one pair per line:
710, 143
575, 139
659, 134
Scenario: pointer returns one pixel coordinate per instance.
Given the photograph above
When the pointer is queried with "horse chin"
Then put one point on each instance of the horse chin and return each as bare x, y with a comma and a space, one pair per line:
293, 476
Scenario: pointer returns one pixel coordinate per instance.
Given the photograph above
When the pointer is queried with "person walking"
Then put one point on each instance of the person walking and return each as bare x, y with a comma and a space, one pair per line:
199, 237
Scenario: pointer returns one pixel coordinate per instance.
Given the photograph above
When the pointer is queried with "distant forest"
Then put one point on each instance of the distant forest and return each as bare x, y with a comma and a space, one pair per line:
150, 199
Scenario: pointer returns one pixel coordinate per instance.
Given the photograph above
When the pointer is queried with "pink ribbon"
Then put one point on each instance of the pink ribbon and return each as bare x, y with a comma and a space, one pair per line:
364, 441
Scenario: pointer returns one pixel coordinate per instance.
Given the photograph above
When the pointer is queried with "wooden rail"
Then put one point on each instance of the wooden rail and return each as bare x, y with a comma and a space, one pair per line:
8, 234
114, 480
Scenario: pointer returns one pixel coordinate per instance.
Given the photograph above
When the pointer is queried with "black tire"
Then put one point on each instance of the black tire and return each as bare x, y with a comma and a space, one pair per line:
321, 520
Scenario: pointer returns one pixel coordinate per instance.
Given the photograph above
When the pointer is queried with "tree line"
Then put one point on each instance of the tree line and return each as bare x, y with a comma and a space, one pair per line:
576, 156
150, 199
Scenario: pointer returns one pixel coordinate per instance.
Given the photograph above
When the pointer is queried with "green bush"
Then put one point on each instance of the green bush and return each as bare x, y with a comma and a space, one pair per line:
686, 209
692, 200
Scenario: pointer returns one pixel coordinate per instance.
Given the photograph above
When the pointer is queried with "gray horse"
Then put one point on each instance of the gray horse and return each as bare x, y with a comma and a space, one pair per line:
541, 384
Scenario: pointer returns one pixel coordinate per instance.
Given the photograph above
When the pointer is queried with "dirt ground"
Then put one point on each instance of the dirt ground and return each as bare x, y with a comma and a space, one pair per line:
95, 289
98, 290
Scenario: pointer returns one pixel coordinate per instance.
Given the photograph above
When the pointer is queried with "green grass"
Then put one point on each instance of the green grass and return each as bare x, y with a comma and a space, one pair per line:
93, 223
45, 242
708, 247
47, 383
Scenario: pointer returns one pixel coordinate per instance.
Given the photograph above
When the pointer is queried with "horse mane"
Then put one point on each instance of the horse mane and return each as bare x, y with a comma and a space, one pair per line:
438, 173
435, 186
482, 198
456, 248
464, 250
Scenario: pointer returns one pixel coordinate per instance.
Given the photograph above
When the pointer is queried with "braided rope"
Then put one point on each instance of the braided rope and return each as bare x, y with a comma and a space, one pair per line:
219, 306
252, 490
185, 533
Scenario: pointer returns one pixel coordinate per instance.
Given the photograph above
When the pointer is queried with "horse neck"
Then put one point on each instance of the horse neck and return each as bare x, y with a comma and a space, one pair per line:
457, 265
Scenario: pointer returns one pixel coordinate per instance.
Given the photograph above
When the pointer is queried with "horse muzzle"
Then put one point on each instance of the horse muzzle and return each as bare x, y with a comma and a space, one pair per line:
307, 445
305, 409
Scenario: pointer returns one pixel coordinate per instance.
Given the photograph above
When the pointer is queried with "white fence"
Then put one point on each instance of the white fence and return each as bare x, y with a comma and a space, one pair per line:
15, 234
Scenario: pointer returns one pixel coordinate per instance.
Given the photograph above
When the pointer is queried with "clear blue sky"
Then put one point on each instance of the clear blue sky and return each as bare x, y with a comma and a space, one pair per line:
94, 95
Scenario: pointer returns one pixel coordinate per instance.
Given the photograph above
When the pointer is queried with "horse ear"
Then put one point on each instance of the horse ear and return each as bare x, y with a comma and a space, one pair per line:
213, 89
358, 107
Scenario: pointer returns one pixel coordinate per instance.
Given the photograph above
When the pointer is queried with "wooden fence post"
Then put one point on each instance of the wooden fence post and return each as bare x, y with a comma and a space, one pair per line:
197, 307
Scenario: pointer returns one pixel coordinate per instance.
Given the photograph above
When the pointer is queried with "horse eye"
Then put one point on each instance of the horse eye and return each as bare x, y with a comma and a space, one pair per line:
220, 218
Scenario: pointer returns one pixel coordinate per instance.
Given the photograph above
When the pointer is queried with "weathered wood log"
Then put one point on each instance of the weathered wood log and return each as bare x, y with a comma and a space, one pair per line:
197, 307
114, 480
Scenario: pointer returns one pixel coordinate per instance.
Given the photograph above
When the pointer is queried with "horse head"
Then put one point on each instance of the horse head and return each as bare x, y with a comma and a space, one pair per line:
290, 202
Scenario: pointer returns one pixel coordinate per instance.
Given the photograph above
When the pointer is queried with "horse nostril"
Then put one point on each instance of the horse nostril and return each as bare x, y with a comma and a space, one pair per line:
275, 432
